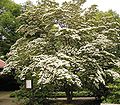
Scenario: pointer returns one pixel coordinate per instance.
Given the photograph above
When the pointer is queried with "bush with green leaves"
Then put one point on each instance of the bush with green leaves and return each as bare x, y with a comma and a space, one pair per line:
68, 47
36, 96
114, 96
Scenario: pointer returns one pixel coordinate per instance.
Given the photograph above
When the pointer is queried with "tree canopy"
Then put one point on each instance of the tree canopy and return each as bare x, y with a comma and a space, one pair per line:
66, 44
8, 24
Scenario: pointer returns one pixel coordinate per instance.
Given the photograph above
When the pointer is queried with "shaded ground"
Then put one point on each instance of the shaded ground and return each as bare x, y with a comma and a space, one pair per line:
6, 100
110, 104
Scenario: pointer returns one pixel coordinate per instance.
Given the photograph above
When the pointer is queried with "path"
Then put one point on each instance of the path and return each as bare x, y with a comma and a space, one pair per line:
6, 100
110, 104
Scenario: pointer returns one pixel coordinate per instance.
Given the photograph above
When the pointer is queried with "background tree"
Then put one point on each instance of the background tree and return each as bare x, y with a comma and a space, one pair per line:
8, 25
67, 46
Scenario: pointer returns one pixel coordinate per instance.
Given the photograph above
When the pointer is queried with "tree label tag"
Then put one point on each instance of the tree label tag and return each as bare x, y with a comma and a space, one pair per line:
28, 84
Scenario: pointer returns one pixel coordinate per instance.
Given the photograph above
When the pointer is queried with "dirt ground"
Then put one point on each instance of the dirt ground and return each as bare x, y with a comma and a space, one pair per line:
5, 99
110, 104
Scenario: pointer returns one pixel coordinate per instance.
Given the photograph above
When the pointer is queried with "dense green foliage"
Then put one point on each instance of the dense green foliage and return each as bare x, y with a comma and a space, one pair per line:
67, 47
114, 96
8, 25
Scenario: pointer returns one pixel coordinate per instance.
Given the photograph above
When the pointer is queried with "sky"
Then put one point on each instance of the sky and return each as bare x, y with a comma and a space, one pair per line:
103, 5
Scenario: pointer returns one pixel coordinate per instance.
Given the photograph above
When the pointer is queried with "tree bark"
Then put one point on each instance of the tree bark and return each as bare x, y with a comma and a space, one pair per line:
69, 93
98, 100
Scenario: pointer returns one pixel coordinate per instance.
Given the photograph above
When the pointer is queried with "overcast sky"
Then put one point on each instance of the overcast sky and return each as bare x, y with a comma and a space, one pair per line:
102, 4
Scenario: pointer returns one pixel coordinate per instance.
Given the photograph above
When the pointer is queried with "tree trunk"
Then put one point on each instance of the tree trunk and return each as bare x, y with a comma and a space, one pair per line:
98, 100
69, 93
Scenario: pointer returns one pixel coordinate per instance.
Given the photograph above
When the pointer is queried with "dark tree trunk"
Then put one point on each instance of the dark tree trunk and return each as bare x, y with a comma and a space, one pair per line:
69, 93
98, 100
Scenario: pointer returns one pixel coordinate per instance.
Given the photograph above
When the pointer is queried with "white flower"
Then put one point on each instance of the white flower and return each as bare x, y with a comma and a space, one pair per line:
118, 63
114, 74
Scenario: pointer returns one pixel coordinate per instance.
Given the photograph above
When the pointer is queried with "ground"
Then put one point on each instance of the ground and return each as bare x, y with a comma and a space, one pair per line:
6, 100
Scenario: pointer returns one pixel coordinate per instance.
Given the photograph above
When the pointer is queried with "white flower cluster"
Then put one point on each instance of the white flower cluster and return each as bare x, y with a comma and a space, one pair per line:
60, 43
114, 74
51, 68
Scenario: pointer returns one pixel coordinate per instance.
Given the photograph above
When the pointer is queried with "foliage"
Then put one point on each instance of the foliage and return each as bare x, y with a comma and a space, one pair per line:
37, 96
114, 96
8, 25
67, 46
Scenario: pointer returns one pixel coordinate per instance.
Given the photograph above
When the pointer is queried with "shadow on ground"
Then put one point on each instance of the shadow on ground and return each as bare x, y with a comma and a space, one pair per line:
5, 99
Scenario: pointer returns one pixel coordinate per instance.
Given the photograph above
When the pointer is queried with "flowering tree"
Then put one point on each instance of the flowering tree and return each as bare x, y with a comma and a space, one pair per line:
67, 45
